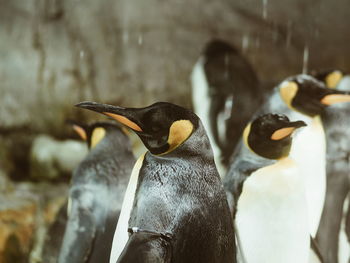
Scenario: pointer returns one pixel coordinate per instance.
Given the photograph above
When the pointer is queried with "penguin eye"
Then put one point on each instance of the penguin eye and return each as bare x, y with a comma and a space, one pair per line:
282, 118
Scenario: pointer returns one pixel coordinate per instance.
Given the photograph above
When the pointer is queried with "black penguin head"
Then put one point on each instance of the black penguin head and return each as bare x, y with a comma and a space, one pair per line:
161, 126
330, 77
309, 96
95, 132
217, 47
269, 135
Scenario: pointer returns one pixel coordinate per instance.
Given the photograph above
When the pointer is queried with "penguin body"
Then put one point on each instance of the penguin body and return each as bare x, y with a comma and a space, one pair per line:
309, 152
270, 207
343, 239
225, 93
96, 194
332, 236
175, 208
305, 98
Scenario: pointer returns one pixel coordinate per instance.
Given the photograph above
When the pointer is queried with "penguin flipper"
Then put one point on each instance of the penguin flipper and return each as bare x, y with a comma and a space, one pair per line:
332, 216
316, 250
347, 223
219, 109
78, 237
145, 247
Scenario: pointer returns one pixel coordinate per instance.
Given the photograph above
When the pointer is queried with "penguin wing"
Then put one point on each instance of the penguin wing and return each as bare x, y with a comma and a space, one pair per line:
79, 234
145, 247
220, 112
244, 163
235, 94
54, 236
317, 257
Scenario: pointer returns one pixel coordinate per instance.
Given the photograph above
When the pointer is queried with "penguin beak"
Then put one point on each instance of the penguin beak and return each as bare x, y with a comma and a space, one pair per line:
335, 97
287, 131
126, 116
79, 128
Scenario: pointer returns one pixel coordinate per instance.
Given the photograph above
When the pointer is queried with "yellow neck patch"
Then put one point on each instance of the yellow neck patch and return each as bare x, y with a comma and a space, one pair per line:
178, 133
97, 135
245, 136
333, 79
288, 90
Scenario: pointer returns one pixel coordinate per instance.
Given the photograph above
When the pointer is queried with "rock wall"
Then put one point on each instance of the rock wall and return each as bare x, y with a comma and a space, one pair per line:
55, 53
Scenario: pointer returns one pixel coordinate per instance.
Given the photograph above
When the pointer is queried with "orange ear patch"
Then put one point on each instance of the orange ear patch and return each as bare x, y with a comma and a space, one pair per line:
81, 132
179, 132
97, 135
333, 79
246, 135
335, 98
124, 120
282, 133
288, 90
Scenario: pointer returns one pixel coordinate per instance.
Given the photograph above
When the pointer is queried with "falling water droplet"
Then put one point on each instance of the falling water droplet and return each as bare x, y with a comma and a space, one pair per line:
289, 33
245, 42
257, 42
264, 10
275, 35
226, 59
305, 59
125, 37
140, 40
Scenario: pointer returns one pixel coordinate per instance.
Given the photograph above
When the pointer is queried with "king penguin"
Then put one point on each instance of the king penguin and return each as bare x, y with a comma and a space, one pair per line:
96, 194
175, 208
225, 94
267, 194
305, 98
332, 237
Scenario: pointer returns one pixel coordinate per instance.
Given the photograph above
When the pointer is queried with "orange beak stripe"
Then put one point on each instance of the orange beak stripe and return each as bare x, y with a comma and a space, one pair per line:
124, 120
81, 132
282, 133
335, 98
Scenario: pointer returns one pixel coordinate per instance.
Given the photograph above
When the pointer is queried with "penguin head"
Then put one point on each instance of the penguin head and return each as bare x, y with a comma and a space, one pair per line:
162, 126
269, 135
94, 133
309, 96
218, 47
330, 77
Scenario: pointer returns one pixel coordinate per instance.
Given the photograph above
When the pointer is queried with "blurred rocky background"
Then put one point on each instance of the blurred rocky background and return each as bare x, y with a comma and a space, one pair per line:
55, 53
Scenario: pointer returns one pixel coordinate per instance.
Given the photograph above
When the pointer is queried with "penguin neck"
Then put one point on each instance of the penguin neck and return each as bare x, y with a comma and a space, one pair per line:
316, 122
117, 139
275, 103
113, 142
196, 145
284, 160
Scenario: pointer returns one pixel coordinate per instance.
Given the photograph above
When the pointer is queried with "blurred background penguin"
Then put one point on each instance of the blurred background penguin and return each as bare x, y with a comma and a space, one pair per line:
334, 231
96, 193
225, 93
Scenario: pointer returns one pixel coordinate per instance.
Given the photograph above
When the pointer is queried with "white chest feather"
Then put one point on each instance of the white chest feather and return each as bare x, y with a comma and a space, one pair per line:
271, 216
121, 233
309, 152
201, 104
